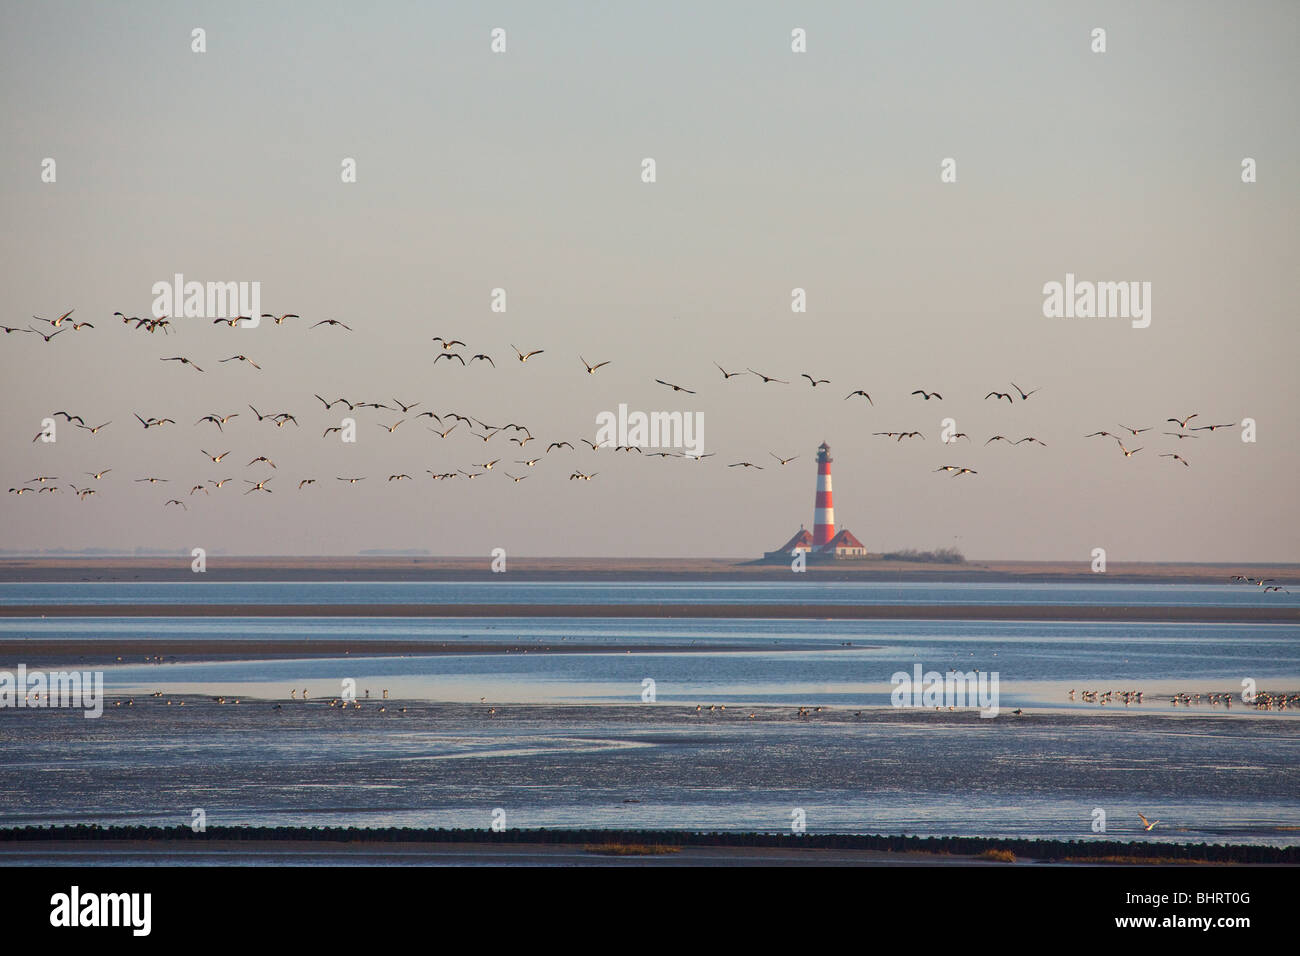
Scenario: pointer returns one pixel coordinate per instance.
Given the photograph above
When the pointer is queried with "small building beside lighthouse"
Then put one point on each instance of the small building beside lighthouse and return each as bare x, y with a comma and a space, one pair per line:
824, 541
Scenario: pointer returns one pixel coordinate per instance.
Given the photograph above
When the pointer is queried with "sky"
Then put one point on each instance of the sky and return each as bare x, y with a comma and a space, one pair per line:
775, 170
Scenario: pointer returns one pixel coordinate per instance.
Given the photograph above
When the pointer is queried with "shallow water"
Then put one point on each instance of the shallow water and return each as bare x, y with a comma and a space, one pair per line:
452, 766
571, 740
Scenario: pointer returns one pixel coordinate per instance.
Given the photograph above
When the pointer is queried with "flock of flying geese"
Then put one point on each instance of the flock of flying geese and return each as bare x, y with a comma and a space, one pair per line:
1183, 433
445, 423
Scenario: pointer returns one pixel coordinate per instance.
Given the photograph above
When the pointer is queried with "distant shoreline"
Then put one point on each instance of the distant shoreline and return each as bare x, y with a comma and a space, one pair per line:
830, 612
406, 568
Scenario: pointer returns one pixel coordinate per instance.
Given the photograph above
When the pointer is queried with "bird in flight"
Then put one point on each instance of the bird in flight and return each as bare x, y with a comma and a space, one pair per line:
745, 464
675, 388
43, 335
1023, 394
216, 459
153, 421
1179, 435
176, 501
77, 327
591, 369
390, 428
780, 459
902, 435
260, 458
258, 485
55, 323
1006, 395
447, 344
1147, 825
815, 381
306, 481
402, 477
927, 395
529, 462
96, 428
1130, 429
352, 481
1008, 440
559, 444
8, 330
955, 437
1127, 453
332, 322
444, 434
725, 374
279, 320
1030, 439
152, 481
1103, 434
215, 420
329, 405
768, 378
1182, 422
449, 356
183, 360
862, 393
99, 474
1175, 457
578, 474
241, 358
1210, 428
218, 484
965, 471
514, 479
525, 356
482, 357
70, 418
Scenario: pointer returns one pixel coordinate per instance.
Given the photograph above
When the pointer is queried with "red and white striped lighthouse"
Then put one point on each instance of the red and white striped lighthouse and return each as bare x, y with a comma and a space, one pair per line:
824, 510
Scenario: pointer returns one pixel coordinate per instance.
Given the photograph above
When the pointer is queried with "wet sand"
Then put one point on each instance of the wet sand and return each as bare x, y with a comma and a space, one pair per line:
638, 769
303, 853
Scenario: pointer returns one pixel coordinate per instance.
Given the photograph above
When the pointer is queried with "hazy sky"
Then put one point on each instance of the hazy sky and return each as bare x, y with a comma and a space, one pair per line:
775, 170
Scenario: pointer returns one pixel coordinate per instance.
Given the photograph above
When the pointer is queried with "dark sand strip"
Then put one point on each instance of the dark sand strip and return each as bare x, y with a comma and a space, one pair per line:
803, 612
303, 853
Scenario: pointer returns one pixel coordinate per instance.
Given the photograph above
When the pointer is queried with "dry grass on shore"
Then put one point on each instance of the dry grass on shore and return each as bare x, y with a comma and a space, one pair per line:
631, 849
